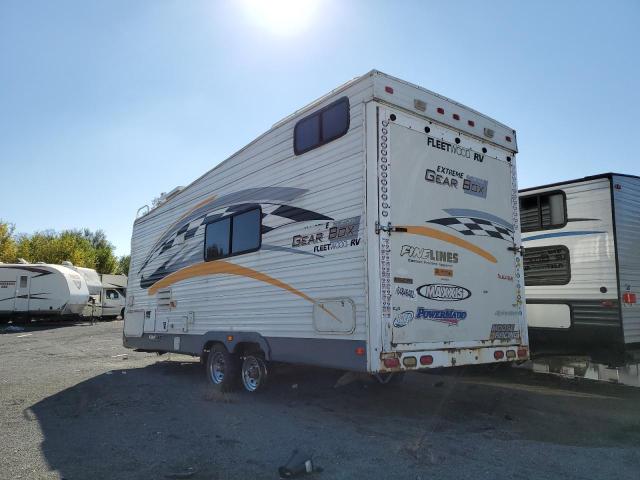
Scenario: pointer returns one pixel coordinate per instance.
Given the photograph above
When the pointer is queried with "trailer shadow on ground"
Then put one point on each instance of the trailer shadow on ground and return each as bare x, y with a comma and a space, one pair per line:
22, 327
165, 421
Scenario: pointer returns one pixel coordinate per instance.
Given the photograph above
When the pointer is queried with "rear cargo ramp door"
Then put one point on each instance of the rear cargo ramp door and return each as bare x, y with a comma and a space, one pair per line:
452, 264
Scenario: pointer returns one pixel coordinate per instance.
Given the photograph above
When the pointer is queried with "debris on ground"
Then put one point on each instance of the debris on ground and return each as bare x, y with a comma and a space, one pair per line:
13, 328
299, 463
186, 473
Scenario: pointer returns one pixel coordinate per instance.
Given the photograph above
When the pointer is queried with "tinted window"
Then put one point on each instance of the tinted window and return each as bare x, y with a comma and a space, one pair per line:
544, 211
23, 282
246, 232
335, 121
307, 134
547, 265
321, 127
217, 239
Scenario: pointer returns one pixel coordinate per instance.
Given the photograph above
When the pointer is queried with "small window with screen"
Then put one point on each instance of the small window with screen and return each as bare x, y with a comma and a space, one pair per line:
321, 127
234, 235
543, 211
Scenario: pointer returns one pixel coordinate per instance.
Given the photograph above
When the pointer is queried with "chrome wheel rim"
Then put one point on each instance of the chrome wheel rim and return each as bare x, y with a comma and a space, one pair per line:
251, 374
217, 368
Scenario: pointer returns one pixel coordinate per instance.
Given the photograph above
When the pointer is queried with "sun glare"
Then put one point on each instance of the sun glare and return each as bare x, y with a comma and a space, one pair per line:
282, 17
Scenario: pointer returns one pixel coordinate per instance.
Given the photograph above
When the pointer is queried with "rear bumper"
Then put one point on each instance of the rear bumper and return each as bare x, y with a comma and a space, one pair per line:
453, 357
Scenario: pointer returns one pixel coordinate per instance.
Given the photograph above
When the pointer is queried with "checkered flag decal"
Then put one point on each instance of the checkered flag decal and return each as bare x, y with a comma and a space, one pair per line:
273, 216
476, 226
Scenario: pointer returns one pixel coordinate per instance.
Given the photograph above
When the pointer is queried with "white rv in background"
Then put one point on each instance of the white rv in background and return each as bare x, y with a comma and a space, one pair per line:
582, 265
107, 293
40, 290
375, 230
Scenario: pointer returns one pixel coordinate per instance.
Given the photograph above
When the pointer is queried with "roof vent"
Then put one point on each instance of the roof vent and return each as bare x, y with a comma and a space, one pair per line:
67, 263
22, 261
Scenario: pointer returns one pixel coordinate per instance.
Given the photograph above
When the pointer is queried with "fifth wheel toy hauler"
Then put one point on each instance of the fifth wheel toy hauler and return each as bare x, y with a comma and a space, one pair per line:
582, 265
375, 230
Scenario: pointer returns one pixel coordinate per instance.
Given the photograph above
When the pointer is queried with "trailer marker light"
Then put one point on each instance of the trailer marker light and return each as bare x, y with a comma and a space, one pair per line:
426, 360
456, 116
471, 123
507, 138
409, 362
511, 354
388, 89
419, 105
360, 351
498, 354
606, 303
617, 186
441, 110
522, 352
629, 297
229, 338
391, 362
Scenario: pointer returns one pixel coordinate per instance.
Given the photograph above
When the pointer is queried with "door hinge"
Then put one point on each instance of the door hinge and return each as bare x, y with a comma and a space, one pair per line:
515, 249
388, 228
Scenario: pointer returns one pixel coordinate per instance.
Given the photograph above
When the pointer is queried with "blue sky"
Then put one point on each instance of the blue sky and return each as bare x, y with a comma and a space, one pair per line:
103, 105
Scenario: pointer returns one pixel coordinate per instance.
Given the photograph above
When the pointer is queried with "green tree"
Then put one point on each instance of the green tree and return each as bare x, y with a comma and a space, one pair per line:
123, 265
8, 248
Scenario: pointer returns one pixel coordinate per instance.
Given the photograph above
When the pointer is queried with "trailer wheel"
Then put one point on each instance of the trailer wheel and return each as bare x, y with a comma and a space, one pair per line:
222, 368
254, 373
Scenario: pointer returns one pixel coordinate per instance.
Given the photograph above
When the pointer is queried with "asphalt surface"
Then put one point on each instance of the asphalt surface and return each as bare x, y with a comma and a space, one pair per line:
76, 405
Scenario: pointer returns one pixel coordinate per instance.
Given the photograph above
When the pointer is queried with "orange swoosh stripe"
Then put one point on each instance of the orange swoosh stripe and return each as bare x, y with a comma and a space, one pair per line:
445, 237
222, 267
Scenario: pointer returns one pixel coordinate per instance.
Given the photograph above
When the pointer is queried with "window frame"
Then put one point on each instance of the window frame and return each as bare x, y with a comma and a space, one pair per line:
230, 218
319, 113
542, 227
541, 247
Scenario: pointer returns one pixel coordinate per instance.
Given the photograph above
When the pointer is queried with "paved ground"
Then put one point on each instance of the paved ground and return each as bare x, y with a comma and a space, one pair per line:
77, 405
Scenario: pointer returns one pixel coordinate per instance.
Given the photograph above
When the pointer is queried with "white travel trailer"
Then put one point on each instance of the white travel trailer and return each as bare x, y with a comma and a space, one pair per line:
40, 290
582, 265
375, 230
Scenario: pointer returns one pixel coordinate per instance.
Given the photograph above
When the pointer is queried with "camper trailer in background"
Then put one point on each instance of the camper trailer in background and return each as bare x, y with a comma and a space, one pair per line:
41, 290
582, 265
375, 230
107, 293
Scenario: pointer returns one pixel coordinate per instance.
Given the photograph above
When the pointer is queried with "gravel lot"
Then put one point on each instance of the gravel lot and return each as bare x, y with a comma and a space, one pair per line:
77, 405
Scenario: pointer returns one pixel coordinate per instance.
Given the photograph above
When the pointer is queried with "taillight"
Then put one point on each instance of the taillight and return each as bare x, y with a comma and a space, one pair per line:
409, 362
498, 354
426, 360
360, 351
522, 353
629, 297
391, 362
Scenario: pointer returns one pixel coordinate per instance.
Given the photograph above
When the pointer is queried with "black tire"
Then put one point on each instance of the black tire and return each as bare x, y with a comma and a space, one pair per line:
223, 368
254, 374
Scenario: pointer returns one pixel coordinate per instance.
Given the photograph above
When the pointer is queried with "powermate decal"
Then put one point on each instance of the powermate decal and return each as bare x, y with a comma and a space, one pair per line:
448, 316
443, 292
402, 319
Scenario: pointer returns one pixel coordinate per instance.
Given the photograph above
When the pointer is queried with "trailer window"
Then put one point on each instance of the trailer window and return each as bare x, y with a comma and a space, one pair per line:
23, 282
543, 211
322, 127
547, 265
233, 235
217, 241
